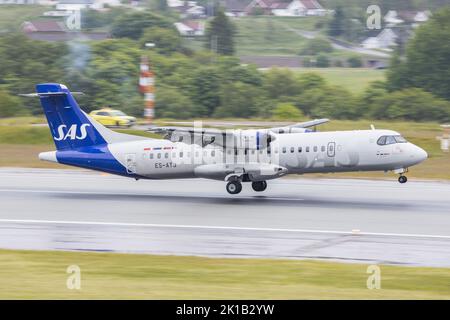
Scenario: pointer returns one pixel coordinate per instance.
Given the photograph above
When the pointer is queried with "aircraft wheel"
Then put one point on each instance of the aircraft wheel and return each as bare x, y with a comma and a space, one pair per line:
402, 179
259, 185
234, 187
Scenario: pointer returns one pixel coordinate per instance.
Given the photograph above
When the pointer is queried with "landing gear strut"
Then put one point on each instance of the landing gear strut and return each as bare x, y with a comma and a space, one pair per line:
234, 187
402, 179
259, 186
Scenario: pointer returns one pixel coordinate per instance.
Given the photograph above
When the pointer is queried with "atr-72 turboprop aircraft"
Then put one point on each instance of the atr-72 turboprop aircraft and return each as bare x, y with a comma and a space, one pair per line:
236, 156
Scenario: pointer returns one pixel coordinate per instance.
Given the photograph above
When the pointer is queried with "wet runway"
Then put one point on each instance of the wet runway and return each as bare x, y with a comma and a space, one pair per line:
335, 219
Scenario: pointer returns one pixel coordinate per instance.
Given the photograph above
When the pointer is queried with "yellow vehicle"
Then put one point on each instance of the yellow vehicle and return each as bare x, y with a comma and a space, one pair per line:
112, 118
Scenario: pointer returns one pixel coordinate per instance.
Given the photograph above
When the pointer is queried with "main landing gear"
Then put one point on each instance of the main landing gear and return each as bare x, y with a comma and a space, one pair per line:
402, 179
259, 186
234, 187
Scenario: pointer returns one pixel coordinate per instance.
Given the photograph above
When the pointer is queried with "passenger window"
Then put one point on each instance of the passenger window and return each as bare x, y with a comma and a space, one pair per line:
151, 155
300, 149
315, 148
159, 156
213, 153
307, 149
188, 154
284, 149
174, 155
204, 153
196, 154
322, 149
292, 149
181, 154
166, 155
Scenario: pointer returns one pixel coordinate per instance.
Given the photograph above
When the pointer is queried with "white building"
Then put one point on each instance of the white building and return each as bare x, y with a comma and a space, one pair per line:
385, 40
191, 28
18, 2
74, 5
394, 17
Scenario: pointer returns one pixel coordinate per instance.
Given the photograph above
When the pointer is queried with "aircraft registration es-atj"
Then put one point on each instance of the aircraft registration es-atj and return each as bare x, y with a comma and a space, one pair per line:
233, 156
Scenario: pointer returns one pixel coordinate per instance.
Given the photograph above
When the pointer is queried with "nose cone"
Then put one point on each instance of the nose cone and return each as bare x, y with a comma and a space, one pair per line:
422, 155
418, 154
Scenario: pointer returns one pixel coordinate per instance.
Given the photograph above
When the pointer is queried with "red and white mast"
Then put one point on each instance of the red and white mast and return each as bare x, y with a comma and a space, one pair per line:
147, 88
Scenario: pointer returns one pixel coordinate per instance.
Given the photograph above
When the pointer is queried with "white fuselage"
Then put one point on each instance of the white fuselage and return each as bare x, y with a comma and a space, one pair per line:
296, 153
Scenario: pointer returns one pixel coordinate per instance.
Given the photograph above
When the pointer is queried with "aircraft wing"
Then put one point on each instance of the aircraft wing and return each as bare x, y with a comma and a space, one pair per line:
239, 138
311, 123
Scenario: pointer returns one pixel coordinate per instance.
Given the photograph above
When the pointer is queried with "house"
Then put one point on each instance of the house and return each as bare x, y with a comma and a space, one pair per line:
175, 3
235, 8
74, 5
394, 17
52, 30
298, 8
391, 18
294, 8
101, 4
189, 10
191, 28
385, 40
18, 2
43, 26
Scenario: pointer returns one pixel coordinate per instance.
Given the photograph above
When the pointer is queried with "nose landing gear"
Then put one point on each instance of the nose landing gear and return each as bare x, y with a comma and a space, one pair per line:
402, 179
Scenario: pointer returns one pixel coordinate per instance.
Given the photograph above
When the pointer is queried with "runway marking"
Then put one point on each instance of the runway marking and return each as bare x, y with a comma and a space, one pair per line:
225, 196
151, 225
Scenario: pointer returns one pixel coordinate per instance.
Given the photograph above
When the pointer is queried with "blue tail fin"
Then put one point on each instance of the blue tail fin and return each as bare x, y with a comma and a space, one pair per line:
69, 125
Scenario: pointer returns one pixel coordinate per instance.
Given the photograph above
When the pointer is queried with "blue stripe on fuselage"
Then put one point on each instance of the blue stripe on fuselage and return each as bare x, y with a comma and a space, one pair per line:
96, 157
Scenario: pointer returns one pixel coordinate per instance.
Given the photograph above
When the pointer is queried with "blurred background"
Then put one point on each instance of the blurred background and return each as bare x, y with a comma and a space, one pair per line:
230, 63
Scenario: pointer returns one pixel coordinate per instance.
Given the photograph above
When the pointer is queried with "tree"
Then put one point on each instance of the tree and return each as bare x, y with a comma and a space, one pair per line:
316, 46
311, 80
322, 61
165, 40
10, 106
355, 62
337, 23
239, 100
220, 34
132, 25
427, 62
287, 111
280, 82
171, 103
205, 93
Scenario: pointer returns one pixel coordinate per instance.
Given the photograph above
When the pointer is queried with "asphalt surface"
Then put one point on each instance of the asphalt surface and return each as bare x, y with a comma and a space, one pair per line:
334, 219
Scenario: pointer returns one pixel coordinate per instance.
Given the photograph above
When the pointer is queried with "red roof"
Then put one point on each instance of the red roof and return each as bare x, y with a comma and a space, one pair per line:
194, 25
311, 4
43, 26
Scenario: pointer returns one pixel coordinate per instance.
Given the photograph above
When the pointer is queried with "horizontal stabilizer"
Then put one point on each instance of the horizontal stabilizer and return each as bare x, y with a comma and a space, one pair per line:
47, 94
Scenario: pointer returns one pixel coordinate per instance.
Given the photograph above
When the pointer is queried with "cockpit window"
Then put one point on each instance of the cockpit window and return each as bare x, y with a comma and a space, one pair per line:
385, 140
382, 141
400, 139
390, 140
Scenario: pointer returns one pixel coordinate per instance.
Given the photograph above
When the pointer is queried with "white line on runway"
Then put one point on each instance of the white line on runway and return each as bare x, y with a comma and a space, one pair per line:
150, 225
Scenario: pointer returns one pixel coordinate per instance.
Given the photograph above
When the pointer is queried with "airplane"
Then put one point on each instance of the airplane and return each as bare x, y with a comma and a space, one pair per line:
235, 156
